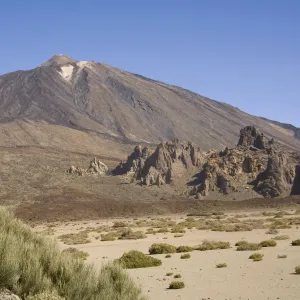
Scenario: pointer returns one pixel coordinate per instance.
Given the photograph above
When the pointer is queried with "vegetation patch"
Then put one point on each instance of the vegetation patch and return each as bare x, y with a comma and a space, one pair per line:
46, 295
297, 270
256, 256
177, 276
185, 256
212, 245
182, 249
272, 231
136, 259
168, 256
282, 256
119, 224
169, 274
296, 242
111, 236
31, 264
132, 235
75, 238
162, 249
268, 243
175, 285
223, 265
281, 237
246, 246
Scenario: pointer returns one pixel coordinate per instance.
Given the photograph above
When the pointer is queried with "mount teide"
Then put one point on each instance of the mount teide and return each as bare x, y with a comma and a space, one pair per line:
99, 99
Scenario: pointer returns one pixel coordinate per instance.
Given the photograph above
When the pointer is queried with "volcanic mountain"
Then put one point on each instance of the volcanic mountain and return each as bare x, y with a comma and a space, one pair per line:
101, 100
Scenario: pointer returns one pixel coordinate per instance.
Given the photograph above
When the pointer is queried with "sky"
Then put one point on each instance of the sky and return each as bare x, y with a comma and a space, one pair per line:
242, 52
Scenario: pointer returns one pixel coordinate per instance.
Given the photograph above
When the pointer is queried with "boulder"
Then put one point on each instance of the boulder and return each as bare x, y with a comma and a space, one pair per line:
96, 168
251, 137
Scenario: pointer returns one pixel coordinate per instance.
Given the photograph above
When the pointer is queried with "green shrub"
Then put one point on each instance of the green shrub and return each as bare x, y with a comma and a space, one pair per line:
119, 224
132, 235
246, 246
177, 276
212, 245
168, 256
162, 249
75, 238
163, 230
175, 285
31, 264
185, 256
297, 270
111, 236
223, 265
47, 295
282, 256
182, 249
268, 243
256, 256
177, 229
281, 237
135, 259
77, 254
169, 274
296, 242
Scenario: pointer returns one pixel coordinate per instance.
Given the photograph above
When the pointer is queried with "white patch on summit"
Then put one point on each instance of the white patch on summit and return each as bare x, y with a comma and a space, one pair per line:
82, 64
66, 72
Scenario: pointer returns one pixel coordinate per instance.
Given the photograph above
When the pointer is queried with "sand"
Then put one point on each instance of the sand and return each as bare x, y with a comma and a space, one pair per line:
271, 278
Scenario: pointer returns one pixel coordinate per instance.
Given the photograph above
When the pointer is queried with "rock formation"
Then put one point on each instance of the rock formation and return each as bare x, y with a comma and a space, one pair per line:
96, 168
167, 163
296, 183
250, 136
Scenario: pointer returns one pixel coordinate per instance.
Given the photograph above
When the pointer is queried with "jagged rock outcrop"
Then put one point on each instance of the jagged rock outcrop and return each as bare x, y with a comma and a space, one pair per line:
167, 163
276, 178
296, 183
7, 295
251, 137
96, 168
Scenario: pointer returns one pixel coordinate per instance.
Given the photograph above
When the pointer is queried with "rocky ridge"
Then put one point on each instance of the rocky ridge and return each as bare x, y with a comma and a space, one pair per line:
256, 163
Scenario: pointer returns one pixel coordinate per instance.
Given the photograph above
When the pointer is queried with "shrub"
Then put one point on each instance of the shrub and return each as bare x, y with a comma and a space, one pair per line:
75, 238
178, 235
162, 249
212, 245
111, 236
163, 230
246, 246
169, 274
256, 256
177, 276
181, 249
168, 256
119, 224
282, 256
177, 229
297, 270
272, 231
31, 264
281, 237
223, 265
135, 259
47, 295
77, 254
268, 243
132, 235
175, 285
185, 256
296, 242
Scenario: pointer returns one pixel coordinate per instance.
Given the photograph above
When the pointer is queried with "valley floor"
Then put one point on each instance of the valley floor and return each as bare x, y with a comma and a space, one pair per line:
272, 278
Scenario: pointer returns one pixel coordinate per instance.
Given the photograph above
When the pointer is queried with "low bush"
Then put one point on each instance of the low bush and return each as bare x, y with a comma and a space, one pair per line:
256, 256
281, 237
75, 238
169, 274
185, 256
175, 285
135, 259
47, 295
168, 256
223, 265
246, 246
132, 235
296, 242
268, 243
177, 276
111, 236
212, 245
163, 230
178, 235
182, 249
119, 224
162, 249
177, 229
272, 231
282, 256
297, 270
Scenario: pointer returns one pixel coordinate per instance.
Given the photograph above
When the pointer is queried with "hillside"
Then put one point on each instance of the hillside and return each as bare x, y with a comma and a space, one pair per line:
111, 103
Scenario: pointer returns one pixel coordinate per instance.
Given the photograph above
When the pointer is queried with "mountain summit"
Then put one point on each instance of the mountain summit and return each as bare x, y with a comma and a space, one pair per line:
98, 98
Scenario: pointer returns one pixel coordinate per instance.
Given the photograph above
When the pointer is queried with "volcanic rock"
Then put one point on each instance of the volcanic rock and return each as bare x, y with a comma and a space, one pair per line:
296, 183
96, 167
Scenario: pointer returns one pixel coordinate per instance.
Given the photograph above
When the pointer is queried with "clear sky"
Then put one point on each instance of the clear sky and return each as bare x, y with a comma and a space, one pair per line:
243, 52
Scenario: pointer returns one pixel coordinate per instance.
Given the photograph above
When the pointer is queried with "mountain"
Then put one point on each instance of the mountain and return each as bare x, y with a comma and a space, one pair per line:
101, 100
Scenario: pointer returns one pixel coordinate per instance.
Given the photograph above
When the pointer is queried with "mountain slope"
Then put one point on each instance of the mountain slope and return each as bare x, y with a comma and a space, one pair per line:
101, 99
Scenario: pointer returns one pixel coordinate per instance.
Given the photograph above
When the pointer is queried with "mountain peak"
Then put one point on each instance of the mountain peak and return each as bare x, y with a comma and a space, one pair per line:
59, 59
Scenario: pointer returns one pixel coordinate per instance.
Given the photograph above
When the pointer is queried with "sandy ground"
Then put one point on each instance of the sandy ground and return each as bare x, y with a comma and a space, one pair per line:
271, 278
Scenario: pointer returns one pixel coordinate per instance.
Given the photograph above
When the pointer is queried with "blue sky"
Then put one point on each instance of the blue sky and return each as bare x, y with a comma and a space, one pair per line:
243, 52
